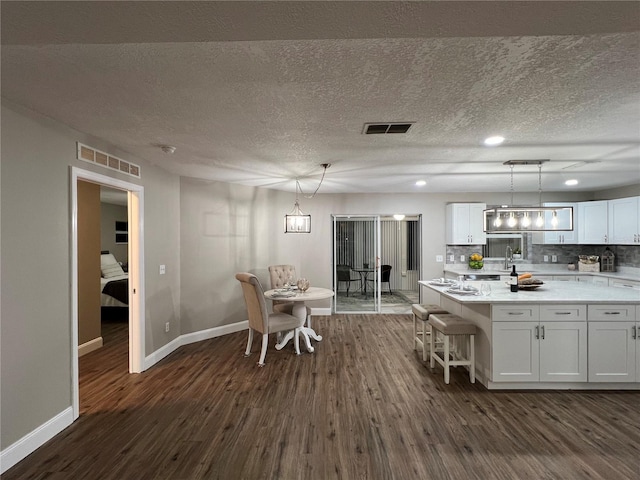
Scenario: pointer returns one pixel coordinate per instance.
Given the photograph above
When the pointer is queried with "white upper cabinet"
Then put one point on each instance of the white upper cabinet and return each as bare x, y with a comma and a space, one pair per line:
624, 221
593, 225
567, 237
465, 224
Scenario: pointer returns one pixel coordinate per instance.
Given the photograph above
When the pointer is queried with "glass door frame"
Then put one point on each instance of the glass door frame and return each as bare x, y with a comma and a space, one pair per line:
377, 249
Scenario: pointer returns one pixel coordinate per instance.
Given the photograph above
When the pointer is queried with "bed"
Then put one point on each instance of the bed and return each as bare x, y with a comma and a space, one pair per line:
114, 282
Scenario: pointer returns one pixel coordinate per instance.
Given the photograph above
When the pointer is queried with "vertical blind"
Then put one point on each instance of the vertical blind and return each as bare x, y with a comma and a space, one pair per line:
400, 248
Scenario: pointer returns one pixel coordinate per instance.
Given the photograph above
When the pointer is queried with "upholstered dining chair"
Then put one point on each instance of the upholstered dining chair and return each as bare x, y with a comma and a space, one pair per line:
280, 275
260, 320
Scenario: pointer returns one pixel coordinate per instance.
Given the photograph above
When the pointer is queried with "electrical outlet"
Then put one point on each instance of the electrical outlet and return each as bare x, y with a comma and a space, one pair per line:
163, 269
545, 258
554, 258
452, 259
439, 258
166, 327
462, 258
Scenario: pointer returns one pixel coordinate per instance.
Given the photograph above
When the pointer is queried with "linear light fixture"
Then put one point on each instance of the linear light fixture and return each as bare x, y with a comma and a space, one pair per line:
509, 219
297, 221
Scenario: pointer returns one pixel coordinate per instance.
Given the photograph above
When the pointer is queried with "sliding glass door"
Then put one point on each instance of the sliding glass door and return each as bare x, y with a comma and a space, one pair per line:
356, 263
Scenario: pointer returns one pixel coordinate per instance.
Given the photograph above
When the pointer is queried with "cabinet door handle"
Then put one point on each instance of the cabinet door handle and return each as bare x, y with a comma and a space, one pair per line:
537, 332
563, 313
634, 332
515, 313
606, 239
543, 332
612, 313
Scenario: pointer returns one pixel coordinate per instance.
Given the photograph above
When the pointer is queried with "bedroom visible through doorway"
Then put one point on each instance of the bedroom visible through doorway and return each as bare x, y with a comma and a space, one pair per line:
90, 269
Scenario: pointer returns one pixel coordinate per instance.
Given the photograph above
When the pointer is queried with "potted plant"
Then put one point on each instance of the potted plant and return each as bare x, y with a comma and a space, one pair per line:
517, 254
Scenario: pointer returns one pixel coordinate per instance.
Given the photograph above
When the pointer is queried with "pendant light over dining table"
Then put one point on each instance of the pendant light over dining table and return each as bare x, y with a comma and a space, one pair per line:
516, 219
297, 221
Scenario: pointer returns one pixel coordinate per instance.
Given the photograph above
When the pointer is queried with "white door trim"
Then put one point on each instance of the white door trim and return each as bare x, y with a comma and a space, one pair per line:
136, 274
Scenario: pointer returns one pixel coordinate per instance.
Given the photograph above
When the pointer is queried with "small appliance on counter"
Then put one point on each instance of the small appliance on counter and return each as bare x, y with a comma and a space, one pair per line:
588, 263
608, 261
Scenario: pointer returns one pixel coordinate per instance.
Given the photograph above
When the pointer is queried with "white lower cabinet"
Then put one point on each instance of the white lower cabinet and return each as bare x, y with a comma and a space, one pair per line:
614, 344
538, 343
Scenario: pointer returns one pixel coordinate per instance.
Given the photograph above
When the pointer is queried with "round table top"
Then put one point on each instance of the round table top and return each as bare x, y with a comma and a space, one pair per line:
314, 293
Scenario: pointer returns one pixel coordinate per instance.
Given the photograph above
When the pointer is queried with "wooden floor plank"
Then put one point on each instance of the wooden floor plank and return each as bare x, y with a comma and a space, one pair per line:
363, 406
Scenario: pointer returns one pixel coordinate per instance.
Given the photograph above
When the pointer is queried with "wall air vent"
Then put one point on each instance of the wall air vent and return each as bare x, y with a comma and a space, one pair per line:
93, 155
380, 128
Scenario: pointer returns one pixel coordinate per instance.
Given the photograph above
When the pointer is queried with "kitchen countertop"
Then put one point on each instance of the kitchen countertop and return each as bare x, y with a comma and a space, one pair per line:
628, 273
549, 292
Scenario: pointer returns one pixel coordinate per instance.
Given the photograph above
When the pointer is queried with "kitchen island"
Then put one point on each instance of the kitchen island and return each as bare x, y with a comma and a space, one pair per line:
563, 335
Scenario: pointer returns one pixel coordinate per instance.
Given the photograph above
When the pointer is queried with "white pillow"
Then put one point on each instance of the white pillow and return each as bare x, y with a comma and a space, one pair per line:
107, 259
110, 271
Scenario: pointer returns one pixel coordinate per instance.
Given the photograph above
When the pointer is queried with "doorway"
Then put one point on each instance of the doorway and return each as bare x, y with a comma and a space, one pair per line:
356, 263
135, 213
382, 282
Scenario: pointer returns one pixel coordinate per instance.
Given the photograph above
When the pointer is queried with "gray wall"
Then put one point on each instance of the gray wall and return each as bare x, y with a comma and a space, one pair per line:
35, 324
203, 231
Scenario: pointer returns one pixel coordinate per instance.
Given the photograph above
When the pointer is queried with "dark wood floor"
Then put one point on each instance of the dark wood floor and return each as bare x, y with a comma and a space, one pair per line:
361, 407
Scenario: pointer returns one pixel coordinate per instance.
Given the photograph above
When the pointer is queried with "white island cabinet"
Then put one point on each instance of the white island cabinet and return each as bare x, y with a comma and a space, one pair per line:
534, 343
614, 343
563, 335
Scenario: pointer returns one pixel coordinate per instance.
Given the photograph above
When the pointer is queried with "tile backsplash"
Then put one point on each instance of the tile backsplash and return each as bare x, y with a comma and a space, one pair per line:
625, 255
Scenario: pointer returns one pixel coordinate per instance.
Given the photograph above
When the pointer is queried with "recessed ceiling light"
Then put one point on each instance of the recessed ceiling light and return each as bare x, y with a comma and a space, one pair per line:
493, 141
571, 182
421, 183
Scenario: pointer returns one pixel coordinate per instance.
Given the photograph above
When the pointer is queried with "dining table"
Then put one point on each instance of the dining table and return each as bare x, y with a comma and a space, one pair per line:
364, 277
299, 311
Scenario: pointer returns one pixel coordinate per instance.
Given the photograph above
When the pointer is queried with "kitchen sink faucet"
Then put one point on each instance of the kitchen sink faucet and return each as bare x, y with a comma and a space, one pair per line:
508, 257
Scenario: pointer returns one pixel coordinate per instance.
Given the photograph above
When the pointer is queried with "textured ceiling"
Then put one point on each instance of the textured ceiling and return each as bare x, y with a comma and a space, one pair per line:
260, 93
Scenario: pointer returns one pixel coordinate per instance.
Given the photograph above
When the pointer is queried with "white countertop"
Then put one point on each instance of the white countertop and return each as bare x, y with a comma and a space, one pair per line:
628, 273
549, 292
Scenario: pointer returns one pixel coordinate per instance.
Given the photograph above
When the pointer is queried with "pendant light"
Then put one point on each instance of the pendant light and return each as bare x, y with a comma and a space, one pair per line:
511, 218
297, 221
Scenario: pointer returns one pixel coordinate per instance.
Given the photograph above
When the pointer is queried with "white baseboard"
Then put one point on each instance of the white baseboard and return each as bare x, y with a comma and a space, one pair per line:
35, 439
325, 311
188, 338
90, 346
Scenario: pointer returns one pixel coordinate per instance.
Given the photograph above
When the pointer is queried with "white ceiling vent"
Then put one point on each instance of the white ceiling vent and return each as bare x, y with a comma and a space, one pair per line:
93, 155
382, 128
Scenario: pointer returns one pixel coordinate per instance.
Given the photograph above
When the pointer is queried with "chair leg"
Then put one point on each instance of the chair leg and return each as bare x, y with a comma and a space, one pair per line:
426, 330
249, 342
446, 359
432, 349
263, 352
472, 355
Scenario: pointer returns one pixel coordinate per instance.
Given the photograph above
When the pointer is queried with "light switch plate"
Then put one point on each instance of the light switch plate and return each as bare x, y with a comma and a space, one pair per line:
439, 258
554, 258
163, 269
545, 258
452, 259
462, 257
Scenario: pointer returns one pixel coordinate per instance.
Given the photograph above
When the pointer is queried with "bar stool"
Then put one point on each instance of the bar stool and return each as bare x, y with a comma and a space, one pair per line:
452, 325
422, 312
